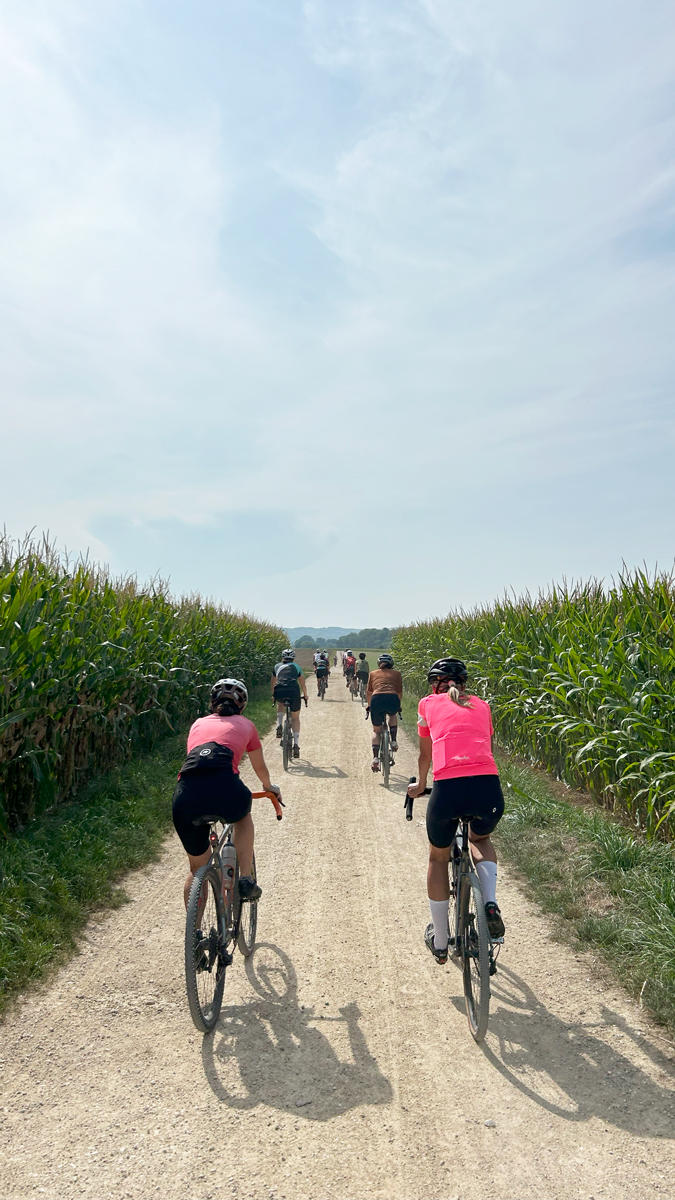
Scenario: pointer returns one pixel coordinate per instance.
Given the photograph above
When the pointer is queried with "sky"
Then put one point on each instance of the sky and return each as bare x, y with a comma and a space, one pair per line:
340, 313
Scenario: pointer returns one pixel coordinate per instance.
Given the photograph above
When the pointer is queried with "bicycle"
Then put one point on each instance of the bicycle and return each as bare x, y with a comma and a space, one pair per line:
323, 684
287, 733
362, 691
214, 904
384, 752
471, 944
353, 687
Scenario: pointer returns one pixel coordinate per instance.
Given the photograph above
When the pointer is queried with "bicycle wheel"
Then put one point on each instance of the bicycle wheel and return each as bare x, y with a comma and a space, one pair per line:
247, 916
475, 950
385, 755
287, 743
205, 956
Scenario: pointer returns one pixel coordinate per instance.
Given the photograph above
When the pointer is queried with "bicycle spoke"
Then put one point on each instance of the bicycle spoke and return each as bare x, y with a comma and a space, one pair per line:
205, 952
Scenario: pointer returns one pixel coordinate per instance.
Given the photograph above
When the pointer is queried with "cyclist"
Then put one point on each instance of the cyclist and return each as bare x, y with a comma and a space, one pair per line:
348, 666
287, 680
321, 669
384, 694
209, 783
456, 734
362, 668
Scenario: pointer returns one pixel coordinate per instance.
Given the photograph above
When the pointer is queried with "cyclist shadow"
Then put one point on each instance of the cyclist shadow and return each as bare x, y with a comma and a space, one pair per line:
305, 767
272, 1051
570, 1070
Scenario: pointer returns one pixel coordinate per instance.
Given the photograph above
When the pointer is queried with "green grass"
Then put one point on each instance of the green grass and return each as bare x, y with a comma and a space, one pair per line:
69, 862
613, 888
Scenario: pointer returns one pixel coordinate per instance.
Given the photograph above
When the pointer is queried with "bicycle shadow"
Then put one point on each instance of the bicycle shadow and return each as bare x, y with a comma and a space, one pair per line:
571, 1071
270, 1051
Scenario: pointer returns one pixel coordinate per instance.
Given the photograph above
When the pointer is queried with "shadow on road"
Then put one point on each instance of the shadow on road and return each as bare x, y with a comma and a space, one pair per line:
305, 767
271, 1051
570, 1070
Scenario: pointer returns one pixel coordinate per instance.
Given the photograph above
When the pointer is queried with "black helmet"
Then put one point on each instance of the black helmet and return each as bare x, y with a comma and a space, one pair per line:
362, 655
448, 668
230, 689
385, 660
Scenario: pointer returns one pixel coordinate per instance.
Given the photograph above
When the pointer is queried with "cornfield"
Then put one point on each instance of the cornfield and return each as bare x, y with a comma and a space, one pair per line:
92, 669
581, 681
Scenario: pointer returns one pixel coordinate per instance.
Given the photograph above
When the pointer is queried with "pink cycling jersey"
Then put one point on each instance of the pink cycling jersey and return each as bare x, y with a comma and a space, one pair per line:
460, 736
238, 733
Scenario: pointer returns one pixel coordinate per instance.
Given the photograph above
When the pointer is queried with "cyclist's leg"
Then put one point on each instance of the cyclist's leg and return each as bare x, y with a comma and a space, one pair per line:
243, 836
441, 824
196, 861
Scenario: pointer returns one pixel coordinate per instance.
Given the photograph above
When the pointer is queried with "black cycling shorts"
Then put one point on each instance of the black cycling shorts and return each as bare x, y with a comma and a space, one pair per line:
321, 672
381, 703
363, 675
290, 692
349, 670
476, 796
222, 793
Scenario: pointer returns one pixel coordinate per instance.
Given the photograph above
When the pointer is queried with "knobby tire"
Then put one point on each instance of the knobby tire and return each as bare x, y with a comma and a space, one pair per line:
246, 915
205, 986
474, 941
385, 755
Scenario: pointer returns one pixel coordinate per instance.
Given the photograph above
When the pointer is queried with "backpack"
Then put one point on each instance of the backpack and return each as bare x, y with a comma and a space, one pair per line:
207, 760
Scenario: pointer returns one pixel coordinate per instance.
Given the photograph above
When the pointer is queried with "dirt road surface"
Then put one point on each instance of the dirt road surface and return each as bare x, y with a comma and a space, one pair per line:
342, 1065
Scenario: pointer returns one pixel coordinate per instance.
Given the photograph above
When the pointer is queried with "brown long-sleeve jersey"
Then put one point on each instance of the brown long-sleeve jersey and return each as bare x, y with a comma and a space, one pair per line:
388, 682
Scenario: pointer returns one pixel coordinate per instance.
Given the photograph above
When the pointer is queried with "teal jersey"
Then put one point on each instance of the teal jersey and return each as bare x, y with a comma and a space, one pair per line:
287, 672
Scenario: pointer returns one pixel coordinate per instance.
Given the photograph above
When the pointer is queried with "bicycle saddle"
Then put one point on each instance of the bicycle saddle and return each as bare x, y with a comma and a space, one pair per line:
208, 820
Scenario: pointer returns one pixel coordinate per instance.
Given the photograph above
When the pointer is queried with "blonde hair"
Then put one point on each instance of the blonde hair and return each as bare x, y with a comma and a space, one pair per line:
457, 696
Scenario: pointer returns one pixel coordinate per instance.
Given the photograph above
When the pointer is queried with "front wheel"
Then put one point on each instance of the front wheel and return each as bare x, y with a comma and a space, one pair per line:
474, 944
205, 949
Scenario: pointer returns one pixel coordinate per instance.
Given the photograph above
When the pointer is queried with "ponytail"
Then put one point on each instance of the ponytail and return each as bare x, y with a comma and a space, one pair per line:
226, 708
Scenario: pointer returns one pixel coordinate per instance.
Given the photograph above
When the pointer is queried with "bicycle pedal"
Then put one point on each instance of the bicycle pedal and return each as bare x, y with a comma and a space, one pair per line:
497, 941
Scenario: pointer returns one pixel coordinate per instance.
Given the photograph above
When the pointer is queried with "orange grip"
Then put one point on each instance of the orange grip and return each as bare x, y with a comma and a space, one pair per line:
278, 804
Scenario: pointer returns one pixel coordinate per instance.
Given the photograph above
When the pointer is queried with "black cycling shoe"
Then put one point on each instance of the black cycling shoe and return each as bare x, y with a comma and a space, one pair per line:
494, 920
441, 956
296, 752
280, 731
249, 889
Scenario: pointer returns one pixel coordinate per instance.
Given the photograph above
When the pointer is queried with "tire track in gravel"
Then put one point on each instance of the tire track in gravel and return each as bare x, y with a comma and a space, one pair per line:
342, 1066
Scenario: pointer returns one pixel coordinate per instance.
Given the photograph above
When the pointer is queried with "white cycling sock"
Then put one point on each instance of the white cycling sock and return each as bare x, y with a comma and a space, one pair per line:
280, 719
296, 739
487, 873
439, 915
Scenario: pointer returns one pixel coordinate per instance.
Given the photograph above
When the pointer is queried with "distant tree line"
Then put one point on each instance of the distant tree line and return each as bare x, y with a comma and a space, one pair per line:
365, 639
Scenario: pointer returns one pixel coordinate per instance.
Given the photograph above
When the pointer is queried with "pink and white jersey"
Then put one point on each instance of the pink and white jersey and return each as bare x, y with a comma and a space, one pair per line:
460, 736
238, 733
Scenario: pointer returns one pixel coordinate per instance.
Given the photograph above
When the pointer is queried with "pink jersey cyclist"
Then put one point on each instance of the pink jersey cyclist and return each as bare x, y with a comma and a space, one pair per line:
455, 735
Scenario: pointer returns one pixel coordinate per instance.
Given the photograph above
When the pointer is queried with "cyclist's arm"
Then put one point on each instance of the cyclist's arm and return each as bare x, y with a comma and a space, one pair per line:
273, 681
257, 761
303, 685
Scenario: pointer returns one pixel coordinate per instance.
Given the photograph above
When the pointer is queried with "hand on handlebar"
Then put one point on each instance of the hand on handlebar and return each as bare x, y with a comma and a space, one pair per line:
416, 789
305, 700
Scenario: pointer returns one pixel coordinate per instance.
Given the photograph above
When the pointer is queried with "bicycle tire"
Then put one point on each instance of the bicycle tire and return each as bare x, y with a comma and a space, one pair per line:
385, 755
204, 965
246, 916
475, 950
287, 743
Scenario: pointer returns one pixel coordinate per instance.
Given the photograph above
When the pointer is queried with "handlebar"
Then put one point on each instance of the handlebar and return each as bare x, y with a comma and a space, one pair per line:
276, 801
409, 800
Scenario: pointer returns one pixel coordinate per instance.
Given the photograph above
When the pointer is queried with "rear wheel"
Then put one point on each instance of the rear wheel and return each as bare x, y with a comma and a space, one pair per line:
247, 915
205, 953
475, 950
385, 754
287, 742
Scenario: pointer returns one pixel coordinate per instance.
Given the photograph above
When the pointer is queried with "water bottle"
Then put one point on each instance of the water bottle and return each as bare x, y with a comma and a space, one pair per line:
228, 858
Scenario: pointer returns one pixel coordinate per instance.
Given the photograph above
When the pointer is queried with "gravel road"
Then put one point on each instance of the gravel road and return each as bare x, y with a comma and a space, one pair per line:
342, 1065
